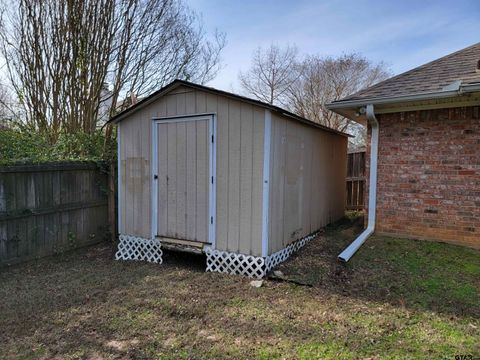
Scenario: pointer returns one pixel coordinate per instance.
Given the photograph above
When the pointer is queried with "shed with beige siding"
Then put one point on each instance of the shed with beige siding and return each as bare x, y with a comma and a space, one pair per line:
204, 170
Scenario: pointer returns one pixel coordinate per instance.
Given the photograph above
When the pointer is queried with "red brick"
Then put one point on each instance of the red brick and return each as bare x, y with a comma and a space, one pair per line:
429, 175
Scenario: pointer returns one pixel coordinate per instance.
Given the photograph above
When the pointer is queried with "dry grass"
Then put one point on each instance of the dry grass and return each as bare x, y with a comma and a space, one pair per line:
395, 299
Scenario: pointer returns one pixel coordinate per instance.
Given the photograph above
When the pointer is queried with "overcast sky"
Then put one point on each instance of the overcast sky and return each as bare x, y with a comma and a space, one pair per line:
404, 34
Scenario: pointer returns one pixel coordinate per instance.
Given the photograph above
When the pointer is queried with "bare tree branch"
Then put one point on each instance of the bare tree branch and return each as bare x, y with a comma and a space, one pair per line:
272, 73
325, 79
59, 55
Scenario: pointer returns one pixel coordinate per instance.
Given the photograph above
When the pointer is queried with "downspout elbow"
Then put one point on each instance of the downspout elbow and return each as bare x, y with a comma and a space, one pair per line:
346, 254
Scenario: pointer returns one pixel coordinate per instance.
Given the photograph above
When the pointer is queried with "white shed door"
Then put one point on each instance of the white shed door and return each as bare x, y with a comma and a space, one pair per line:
184, 178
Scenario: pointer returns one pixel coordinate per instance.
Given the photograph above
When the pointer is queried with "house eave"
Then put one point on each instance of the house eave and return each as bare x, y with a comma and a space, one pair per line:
465, 95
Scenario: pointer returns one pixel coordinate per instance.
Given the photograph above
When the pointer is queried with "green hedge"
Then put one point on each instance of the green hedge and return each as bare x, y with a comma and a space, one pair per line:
19, 145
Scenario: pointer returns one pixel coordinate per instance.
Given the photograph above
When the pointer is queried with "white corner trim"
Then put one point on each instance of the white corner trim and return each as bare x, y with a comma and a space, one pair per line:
154, 181
266, 180
119, 182
212, 190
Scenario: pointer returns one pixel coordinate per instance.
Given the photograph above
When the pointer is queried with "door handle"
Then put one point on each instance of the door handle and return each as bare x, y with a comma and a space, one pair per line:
155, 177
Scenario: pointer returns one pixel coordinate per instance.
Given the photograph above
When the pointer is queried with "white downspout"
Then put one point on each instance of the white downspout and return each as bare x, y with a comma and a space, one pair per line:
372, 194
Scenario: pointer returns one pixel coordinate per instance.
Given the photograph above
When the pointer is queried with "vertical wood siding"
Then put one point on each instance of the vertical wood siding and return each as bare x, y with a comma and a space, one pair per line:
240, 132
307, 177
183, 180
307, 172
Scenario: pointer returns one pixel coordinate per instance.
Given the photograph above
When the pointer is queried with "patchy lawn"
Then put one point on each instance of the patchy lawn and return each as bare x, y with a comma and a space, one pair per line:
395, 299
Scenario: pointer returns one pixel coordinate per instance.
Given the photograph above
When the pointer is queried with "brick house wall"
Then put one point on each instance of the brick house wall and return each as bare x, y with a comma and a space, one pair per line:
429, 175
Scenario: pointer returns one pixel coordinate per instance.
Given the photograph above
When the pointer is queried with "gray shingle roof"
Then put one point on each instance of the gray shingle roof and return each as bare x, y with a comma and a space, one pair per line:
431, 77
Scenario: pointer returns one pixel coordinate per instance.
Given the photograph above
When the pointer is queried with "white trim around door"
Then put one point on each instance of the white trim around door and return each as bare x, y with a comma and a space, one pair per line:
212, 131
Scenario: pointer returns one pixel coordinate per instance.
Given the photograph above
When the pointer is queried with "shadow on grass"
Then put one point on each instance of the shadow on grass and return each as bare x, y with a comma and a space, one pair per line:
79, 277
76, 303
417, 274
86, 305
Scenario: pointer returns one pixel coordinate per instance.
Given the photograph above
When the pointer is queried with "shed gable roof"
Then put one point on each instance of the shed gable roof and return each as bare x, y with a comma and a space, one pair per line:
176, 83
460, 66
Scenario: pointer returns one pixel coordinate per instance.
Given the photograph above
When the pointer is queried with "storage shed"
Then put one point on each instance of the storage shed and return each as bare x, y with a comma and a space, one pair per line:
209, 171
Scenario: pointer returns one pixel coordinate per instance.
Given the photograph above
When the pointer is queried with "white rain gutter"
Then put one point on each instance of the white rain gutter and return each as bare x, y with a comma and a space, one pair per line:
372, 194
455, 89
448, 92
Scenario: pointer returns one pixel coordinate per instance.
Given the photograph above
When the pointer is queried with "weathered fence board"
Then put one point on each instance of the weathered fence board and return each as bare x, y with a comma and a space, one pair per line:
50, 208
355, 180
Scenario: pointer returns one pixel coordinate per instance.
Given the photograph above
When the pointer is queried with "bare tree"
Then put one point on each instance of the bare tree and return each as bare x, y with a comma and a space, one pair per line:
272, 73
59, 54
156, 42
359, 140
9, 108
325, 79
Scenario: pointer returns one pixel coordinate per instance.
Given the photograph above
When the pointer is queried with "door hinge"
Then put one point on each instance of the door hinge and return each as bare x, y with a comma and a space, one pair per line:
212, 179
212, 139
211, 219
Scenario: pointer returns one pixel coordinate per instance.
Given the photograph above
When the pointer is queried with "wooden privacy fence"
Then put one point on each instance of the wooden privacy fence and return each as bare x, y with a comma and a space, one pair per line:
50, 208
355, 180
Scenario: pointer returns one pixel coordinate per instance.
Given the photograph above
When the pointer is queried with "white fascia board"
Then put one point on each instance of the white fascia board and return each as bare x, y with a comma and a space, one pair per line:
462, 89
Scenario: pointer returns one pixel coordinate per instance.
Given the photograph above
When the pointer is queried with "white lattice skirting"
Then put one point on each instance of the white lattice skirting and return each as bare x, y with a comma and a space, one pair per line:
251, 266
137, 248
